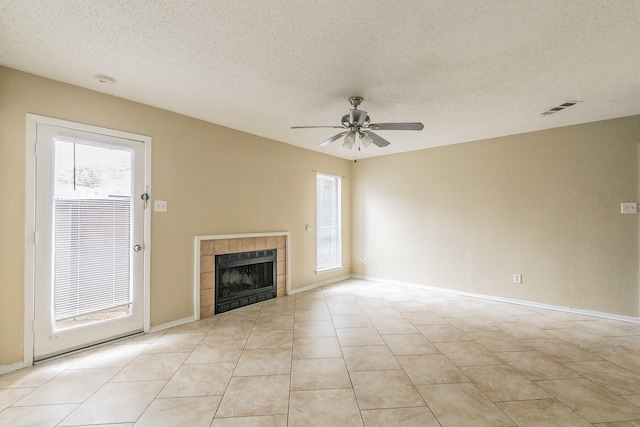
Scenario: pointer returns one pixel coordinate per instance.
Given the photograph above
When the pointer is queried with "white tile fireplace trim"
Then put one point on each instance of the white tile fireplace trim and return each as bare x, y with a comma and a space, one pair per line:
196, 261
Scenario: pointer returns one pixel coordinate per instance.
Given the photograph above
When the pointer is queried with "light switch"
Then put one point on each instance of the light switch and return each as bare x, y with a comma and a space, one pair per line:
160, 206
629, 208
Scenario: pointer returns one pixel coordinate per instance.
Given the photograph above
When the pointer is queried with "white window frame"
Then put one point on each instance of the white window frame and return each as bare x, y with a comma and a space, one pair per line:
337, 220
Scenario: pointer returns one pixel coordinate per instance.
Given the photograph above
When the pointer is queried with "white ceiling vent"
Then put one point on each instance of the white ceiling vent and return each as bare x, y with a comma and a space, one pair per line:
558, 108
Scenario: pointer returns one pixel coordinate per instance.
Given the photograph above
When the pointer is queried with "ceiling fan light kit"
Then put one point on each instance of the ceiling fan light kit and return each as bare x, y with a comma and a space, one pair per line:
349, 140
365, 139
358, 124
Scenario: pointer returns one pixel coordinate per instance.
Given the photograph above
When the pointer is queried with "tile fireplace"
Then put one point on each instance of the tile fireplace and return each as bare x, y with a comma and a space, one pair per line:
211, 250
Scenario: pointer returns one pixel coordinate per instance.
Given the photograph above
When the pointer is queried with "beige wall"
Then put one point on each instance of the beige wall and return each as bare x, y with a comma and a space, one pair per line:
544, 204
464, 217
216, 181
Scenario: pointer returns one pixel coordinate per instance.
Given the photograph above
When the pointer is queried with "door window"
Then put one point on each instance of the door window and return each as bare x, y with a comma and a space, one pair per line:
92, 229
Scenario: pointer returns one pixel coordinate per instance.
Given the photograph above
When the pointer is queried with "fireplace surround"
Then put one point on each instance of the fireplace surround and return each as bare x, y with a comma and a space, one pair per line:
207, 247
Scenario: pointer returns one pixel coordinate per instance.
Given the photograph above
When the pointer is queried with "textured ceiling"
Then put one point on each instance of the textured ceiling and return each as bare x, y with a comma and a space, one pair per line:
467, 69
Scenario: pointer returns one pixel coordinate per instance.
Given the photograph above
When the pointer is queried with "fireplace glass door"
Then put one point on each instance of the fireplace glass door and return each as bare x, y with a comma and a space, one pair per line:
244, 278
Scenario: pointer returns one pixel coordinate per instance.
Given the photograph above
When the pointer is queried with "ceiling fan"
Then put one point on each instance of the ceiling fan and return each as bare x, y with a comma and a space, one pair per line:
357, 122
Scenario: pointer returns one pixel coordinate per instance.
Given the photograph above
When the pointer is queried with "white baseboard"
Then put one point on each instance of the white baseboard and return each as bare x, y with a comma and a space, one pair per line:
319, 284
168, 325
5, 369
506, 300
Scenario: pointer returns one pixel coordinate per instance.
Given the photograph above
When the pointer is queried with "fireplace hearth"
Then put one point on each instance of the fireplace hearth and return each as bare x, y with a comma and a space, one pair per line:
244, 278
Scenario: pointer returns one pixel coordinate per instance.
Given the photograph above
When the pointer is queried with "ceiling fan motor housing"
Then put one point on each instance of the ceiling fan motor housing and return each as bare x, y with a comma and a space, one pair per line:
355, 118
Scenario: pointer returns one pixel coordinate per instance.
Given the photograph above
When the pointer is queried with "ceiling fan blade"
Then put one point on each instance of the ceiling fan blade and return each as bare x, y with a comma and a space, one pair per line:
357, 116
333, 138
378, 140
396, 126
313, 127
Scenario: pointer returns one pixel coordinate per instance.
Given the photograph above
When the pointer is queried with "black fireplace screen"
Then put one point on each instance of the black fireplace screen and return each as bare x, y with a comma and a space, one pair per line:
244, 278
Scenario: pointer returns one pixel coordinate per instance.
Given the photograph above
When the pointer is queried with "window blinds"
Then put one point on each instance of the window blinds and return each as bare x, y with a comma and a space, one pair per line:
92, 229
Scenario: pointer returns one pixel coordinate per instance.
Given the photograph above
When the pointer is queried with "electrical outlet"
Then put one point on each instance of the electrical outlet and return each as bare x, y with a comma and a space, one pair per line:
517, 278
629, 208
365, 260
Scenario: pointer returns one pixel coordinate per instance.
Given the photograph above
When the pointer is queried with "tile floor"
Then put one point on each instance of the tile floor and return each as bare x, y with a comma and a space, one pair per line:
353, 353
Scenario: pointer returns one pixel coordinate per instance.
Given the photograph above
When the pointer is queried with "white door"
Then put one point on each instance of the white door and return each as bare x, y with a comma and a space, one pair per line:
89, 251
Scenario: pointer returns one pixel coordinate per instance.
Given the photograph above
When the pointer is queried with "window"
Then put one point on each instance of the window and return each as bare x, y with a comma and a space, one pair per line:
328, 222
92, 230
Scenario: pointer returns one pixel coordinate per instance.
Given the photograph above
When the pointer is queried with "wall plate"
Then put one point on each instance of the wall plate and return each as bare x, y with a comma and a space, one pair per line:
629, 208
159, 205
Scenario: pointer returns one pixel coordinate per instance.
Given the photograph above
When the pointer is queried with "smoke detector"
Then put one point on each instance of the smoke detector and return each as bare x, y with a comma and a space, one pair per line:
104, 80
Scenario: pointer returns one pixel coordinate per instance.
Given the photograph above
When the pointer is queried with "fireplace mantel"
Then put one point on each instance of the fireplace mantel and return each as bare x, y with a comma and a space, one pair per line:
206, 247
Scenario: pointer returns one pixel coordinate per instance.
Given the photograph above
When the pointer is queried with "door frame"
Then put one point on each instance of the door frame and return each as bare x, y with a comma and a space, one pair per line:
30, 219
